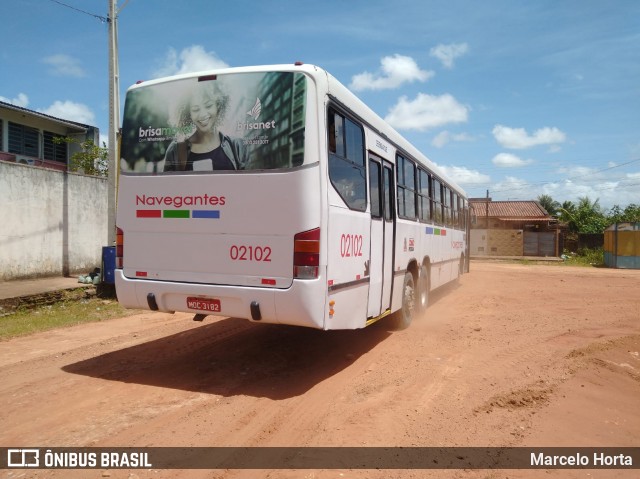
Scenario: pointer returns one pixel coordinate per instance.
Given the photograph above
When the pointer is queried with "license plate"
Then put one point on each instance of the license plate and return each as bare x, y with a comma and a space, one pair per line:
204, 304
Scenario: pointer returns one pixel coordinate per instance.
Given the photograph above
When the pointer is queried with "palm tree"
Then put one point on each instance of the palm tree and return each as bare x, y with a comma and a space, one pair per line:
585, 217
549, 204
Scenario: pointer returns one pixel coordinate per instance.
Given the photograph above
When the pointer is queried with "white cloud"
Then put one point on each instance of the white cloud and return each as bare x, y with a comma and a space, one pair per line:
394, 71
189, 60
507, 160
64, 65
518, 138
608, 189
465, 176
68, 110
444, 137
512, 187
576, 172
426, 111
448, 53
21, 100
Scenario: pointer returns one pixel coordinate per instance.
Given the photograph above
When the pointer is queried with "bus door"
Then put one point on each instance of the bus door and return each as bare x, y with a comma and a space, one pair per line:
381, 259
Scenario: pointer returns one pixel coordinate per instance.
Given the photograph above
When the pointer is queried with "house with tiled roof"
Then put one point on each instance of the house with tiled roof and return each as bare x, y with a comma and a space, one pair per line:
54, 222
512, 228
27, 137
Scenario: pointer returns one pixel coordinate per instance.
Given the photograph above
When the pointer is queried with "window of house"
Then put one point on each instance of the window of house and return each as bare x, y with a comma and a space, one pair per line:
54, 151
23, 140
347, 170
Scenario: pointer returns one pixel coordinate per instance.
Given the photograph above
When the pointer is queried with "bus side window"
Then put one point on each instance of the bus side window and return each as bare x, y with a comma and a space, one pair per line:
446, 203
347, 170
374, 188
437, 201
406, 187
423, 195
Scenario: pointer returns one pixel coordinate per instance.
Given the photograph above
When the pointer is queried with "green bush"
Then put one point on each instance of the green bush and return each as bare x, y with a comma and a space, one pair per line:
586, 257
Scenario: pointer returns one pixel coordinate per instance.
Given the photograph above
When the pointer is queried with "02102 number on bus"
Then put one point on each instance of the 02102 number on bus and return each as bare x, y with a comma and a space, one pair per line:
351, 245
250, 253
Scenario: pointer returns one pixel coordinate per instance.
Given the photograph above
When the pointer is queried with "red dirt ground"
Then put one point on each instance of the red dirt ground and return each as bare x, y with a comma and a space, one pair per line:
514, 355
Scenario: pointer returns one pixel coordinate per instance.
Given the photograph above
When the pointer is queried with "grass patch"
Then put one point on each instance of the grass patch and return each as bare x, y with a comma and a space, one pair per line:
586, 257
68, 311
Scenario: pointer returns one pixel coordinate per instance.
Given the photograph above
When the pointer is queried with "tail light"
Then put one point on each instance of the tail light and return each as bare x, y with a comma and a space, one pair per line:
306, 254
119, 247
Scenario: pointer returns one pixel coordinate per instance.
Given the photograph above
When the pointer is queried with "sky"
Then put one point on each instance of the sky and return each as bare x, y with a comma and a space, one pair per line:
517, 98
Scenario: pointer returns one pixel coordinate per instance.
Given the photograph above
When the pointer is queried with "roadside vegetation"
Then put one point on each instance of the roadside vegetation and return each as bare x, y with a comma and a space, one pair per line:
72, 308
585, 257
588, 216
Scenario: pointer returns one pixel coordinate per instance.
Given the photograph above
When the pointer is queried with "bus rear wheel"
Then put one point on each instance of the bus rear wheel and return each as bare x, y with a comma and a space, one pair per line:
402, 319
423, 290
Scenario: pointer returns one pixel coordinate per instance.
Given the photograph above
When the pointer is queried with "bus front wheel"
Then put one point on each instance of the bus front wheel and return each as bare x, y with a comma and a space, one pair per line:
402, 318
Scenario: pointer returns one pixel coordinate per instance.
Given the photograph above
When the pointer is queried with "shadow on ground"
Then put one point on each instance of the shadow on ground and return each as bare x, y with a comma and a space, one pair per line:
233, 356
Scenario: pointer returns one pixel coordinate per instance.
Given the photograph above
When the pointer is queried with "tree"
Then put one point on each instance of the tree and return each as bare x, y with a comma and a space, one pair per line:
549, 204
585, 217
630, 214
567, 212
91, 158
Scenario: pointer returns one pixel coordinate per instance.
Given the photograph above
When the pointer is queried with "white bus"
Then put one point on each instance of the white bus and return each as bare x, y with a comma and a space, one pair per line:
274, 194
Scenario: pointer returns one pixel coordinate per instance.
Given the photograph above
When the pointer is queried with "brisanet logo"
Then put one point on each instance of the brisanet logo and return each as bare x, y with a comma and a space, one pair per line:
256, 110
254, 113
176, 204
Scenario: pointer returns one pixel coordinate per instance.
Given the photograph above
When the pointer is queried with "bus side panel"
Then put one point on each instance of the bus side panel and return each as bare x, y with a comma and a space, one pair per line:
348, 259
406, 251
443, 246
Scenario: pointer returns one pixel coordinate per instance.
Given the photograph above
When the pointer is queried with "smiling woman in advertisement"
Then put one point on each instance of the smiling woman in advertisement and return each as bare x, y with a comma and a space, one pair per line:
203, 110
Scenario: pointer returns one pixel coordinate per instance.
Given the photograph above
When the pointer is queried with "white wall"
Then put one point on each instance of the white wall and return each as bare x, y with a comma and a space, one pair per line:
51, 223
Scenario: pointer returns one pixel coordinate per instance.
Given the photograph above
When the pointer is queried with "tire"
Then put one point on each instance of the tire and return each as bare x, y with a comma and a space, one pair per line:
423, 290
402, 319
460, 270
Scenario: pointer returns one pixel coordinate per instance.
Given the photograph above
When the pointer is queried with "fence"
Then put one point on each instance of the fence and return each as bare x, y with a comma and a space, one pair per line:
51, 222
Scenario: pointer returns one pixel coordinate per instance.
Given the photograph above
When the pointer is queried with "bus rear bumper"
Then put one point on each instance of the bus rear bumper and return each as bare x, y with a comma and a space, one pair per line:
302, 304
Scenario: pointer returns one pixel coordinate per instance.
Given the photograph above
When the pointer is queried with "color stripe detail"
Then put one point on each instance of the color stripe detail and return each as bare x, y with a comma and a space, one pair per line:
212, 214
435, 231
175, 214
206, 214
149, 213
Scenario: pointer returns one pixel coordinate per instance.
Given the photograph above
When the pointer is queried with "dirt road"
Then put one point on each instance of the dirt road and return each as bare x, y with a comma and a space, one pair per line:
515, 355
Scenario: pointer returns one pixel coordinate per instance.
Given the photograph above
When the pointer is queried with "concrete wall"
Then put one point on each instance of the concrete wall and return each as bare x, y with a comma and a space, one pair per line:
51, 223
496, 242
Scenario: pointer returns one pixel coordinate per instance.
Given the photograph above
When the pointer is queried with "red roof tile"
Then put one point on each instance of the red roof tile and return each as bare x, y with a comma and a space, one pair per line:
510, 210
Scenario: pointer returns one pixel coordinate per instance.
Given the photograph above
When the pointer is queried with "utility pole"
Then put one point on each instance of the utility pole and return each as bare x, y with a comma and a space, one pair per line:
114, 121
487, 209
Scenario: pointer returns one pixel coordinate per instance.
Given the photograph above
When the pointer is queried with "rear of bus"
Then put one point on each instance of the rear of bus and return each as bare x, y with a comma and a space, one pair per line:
219, 198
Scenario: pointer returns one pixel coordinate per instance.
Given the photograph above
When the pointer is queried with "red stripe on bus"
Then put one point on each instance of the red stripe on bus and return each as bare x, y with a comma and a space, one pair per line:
149, 213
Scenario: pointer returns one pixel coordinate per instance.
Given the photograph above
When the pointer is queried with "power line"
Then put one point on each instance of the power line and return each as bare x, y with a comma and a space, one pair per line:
571, 178
99, 17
